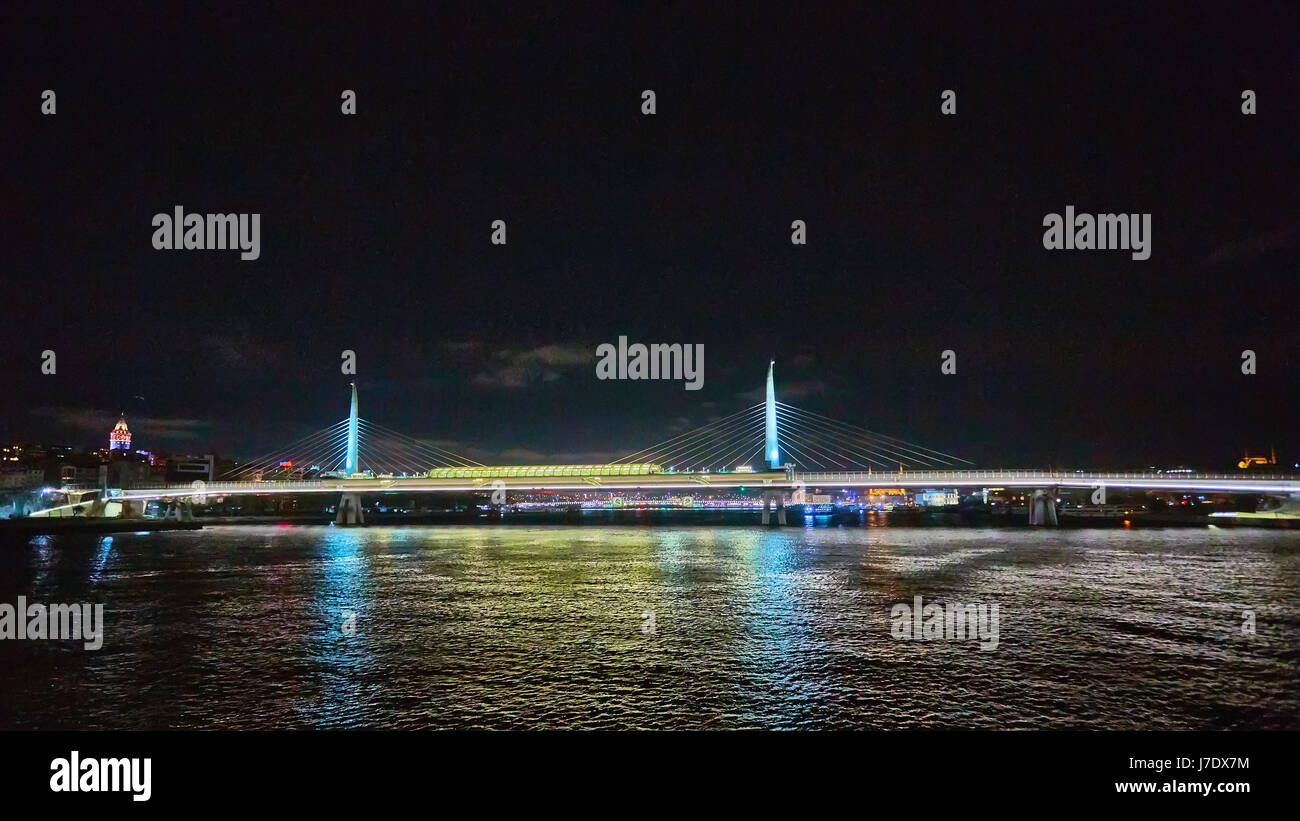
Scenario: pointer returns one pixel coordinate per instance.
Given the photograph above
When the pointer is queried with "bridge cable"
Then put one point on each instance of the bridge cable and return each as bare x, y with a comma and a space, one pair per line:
691, 443
640, 455
412, 442
707, 439
902, 453
261, 463
406, 452
874, 458
862, 432
790, 436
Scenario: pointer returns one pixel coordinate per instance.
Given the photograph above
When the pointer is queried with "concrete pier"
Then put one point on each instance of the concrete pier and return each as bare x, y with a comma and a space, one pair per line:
768, 497
1042, 508
349, 510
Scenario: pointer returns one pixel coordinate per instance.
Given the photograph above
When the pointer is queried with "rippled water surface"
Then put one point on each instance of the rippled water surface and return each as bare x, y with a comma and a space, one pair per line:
670, 627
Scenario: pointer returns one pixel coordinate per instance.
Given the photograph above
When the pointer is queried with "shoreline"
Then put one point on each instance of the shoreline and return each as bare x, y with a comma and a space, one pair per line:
27, 527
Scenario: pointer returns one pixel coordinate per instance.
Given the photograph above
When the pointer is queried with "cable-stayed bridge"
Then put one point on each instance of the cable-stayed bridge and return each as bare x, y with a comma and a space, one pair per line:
772, 447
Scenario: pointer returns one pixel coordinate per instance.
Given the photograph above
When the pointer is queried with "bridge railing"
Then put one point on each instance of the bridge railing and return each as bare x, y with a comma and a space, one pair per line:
230, 487
914, 477
831, 477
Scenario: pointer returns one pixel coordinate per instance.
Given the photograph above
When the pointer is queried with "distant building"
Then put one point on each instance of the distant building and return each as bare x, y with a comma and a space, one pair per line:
120, 437
186, 468
22, 477
1248, 462
74, 475
937, 498
130, 471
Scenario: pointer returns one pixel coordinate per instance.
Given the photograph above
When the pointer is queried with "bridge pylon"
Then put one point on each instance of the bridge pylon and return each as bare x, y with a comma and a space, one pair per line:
180, 510
352, 465
771, 451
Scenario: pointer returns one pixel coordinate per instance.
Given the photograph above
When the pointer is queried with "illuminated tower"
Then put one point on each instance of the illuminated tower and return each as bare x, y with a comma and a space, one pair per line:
351, 465
772, 452
120, 437
350, 511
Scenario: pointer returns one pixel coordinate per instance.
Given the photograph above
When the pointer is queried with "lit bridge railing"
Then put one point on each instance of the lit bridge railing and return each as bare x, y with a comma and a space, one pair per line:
1046, 476
1035, 474
1190, 481
218, 487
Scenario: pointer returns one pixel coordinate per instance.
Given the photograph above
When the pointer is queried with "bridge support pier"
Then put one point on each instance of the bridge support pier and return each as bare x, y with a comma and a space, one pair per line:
1289, 507
180, 511
768, 496
349, 510
1042, 507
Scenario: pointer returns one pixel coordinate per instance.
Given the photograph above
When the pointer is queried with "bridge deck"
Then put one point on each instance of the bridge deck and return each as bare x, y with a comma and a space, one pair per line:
665, 481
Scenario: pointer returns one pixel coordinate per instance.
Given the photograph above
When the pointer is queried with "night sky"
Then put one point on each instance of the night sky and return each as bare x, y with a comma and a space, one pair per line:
924, 231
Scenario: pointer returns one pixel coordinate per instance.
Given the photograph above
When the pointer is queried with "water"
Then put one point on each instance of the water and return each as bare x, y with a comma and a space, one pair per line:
550, 627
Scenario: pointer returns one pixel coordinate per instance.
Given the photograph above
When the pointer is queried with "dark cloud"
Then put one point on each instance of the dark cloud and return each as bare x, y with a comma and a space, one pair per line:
462, 348
88, 420
515, 369
1254, 246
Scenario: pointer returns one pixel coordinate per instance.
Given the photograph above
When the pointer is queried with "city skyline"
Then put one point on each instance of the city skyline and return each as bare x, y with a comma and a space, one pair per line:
188, 436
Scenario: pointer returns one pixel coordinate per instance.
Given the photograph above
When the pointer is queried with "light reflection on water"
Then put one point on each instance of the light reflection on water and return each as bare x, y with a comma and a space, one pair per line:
532, 627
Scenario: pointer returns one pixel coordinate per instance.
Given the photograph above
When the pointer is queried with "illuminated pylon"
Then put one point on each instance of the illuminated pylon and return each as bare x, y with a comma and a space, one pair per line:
771, 451
351, 466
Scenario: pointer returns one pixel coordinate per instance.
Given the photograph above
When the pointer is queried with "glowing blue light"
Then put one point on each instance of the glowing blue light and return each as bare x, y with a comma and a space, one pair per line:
773, 455
350, 464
